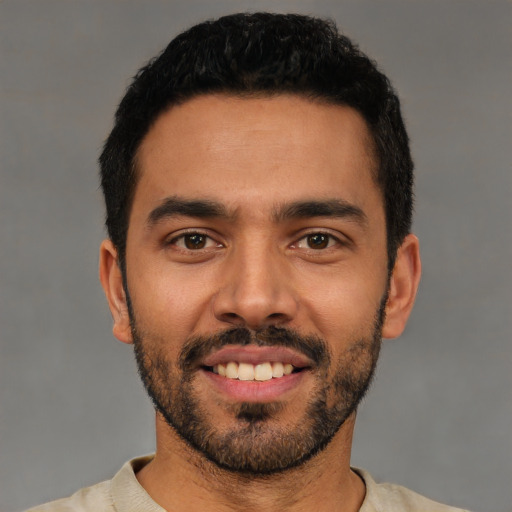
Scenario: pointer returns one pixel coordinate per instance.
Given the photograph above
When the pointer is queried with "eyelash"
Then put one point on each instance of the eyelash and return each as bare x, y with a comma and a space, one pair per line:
326, 237
183, 236
330, 240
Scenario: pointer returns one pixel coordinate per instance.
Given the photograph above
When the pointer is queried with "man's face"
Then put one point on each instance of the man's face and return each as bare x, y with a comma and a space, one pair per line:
256, 244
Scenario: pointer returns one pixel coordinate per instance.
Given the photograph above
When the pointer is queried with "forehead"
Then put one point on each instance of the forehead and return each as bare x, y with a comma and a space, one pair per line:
262, 149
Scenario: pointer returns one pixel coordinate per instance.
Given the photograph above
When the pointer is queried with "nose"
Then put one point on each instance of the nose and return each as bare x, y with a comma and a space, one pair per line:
255, 290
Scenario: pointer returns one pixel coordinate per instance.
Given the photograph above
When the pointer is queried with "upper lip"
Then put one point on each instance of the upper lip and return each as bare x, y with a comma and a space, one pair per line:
254, 354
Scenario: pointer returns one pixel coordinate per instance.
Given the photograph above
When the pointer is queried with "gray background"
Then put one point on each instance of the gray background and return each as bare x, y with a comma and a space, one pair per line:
71, 407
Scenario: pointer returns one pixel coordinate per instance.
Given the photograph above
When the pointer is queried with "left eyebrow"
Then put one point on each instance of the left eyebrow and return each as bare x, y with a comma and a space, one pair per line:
337, 208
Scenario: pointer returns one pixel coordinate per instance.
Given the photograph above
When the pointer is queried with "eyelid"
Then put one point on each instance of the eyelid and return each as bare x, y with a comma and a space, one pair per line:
337, 237
174, 237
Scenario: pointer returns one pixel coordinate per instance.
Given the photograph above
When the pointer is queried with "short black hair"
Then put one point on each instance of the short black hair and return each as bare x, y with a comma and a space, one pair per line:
254, 54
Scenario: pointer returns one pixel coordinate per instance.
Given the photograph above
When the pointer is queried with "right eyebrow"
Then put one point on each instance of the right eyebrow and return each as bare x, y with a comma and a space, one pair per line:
176, 206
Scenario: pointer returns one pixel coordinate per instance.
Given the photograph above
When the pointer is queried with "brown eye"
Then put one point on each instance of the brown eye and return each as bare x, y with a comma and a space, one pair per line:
318, 241
194, 241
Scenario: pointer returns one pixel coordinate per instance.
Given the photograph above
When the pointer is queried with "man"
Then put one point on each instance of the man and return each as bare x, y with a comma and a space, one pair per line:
258, 190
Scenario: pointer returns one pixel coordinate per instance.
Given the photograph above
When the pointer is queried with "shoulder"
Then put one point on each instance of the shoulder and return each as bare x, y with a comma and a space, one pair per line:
122, 493
96, 497
382, 497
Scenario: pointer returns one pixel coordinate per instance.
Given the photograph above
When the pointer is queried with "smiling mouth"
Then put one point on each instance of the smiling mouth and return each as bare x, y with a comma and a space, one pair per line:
253, 372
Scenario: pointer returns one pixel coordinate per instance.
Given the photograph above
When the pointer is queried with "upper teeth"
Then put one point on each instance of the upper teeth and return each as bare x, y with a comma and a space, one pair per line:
247, 371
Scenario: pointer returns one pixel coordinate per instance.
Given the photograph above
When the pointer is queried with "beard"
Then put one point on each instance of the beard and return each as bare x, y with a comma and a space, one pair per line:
258, 444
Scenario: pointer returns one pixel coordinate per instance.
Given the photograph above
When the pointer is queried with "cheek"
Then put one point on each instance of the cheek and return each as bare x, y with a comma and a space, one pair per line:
168, 306
344, 304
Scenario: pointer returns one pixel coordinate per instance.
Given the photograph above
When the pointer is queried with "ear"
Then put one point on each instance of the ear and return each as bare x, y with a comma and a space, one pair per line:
403, 286
112, 281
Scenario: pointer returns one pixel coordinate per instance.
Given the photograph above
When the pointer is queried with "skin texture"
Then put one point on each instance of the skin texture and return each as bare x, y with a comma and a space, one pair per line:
254, 267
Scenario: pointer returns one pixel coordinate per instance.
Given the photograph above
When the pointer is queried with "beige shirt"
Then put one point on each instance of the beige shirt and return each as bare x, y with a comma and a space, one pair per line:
124, 494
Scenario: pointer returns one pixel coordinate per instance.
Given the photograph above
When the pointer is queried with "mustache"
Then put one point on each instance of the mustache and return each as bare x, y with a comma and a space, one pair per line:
198, 347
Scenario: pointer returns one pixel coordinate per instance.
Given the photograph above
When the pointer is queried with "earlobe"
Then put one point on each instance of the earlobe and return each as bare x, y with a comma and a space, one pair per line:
403, 286
112, 282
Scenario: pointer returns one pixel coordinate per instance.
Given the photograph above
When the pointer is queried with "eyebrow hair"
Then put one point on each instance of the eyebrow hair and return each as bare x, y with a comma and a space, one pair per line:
176, 206
204, 208
328, 208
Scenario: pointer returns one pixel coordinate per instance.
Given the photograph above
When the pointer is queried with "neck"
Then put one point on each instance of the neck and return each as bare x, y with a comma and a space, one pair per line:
180, 479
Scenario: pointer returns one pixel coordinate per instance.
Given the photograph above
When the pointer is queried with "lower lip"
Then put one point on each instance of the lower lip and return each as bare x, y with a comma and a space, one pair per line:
255, 391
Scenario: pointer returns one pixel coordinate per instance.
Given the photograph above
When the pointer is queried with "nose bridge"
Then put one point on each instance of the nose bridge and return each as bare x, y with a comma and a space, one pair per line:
255, 291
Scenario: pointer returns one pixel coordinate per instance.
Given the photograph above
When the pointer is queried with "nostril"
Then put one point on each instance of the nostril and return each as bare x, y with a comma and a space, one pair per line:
232, 318
276, 319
